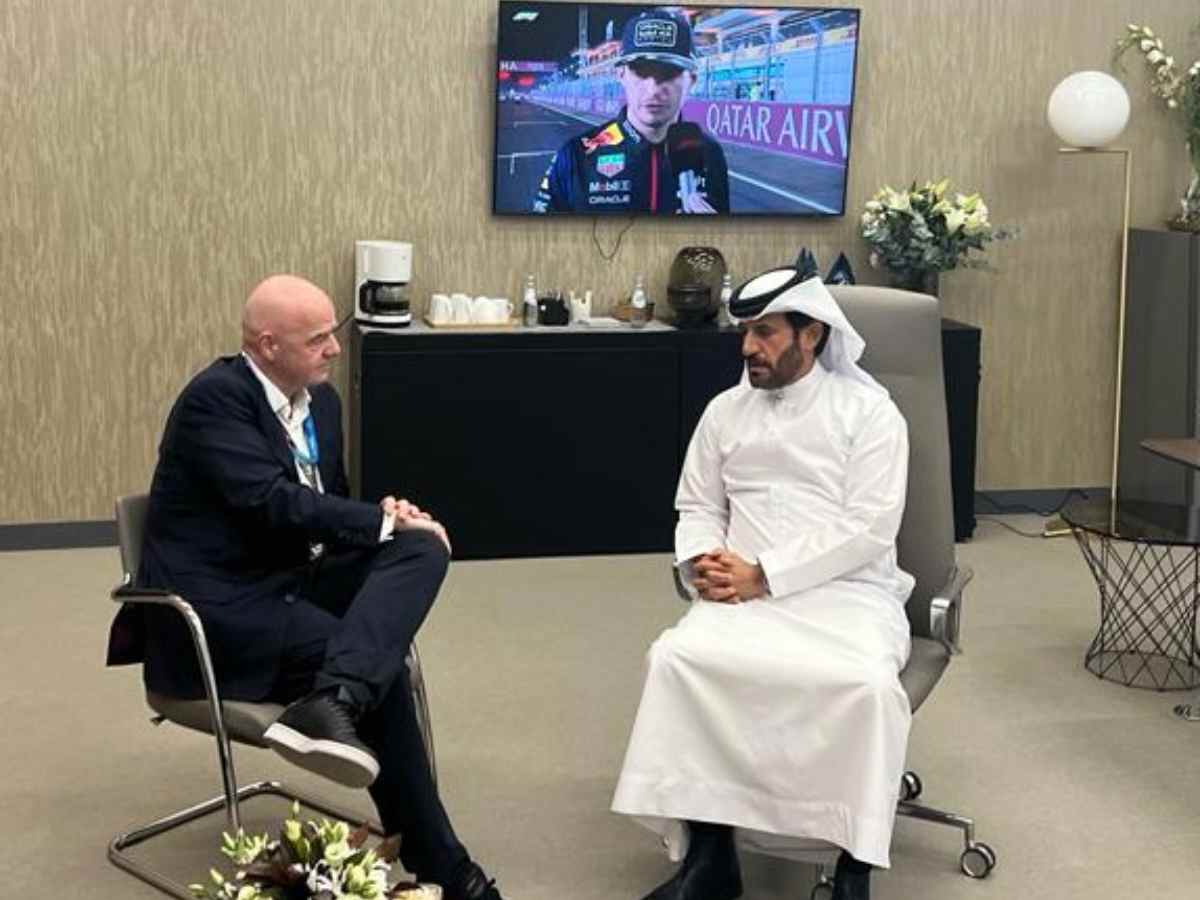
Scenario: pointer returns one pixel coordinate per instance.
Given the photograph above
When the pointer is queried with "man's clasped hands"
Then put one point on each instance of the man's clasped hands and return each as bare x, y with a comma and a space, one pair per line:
406, 515
724, 577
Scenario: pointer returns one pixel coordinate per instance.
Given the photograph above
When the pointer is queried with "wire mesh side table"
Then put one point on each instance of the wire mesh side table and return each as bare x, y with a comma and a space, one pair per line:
1145, 558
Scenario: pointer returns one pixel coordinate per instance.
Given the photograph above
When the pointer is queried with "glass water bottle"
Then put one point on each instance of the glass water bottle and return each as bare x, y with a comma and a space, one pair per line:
637, 303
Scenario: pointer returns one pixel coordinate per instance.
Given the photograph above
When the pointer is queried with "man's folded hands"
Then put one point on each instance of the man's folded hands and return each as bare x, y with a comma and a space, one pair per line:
724, 577
406, 515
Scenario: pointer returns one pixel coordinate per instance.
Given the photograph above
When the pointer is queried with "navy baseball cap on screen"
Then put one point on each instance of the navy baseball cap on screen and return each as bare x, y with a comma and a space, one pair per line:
660, 36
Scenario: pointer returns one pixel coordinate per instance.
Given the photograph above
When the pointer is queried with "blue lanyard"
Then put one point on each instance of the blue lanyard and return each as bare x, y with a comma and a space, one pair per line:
313, 456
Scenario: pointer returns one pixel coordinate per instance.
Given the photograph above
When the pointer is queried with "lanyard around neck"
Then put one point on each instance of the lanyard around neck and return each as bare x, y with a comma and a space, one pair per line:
313, 454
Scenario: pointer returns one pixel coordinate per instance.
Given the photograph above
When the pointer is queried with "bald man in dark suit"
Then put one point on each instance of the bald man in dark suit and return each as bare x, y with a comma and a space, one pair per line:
308, 597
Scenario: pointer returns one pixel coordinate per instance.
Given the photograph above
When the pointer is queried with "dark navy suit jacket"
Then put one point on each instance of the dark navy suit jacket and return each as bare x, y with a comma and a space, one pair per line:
229, 527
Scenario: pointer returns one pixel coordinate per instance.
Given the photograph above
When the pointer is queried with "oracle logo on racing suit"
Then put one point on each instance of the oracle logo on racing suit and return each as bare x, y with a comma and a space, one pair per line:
581, 176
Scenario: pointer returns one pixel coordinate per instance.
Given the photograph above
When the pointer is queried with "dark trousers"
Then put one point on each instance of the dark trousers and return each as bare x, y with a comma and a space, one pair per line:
352, 628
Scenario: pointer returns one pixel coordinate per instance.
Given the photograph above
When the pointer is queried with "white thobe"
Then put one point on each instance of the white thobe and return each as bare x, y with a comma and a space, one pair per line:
785, 716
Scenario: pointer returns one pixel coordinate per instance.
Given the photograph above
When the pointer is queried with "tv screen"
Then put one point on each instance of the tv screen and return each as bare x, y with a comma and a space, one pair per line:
665, 110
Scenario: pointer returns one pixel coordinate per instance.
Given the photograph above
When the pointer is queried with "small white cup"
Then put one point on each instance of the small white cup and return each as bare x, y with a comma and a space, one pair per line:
481, 309
460, 305
441, 310
500, 309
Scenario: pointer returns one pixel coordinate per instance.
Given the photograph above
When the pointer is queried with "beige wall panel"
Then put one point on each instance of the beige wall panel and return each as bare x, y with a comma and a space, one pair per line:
158, 158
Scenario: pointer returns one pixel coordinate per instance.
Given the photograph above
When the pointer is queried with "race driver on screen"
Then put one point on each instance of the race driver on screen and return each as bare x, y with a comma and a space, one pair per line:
646, 159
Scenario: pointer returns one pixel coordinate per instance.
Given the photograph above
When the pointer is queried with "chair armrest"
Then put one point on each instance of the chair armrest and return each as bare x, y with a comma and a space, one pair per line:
127, 593
945, 610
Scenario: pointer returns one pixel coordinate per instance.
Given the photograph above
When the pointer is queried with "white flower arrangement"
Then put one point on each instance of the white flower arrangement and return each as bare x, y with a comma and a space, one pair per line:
1180, 93
311, 861
926, 229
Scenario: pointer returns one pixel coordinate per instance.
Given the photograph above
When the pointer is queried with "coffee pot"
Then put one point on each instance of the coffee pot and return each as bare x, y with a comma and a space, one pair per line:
382, 272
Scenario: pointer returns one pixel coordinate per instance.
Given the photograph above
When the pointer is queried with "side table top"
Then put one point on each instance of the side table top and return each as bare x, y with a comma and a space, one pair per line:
1180, 450
1136, 520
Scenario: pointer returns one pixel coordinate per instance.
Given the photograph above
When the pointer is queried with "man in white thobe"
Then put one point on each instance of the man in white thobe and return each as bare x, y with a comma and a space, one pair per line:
775, 705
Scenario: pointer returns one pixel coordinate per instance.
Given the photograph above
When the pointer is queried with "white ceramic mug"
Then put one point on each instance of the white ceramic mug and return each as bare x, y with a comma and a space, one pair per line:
481, 309
441, 310
461, 306
500, 310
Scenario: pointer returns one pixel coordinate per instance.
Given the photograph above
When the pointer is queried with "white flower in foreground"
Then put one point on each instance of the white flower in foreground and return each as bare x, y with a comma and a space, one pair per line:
336, 854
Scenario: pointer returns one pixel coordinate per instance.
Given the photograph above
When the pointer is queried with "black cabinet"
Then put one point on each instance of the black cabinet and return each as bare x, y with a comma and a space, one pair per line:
709, 362
523, 444
544, 443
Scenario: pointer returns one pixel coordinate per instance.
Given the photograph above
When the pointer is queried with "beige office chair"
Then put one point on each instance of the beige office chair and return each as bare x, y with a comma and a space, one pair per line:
226, 720
904, 352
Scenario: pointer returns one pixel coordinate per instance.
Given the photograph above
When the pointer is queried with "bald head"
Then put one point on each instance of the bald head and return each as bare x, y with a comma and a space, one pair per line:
278, 302
287, 329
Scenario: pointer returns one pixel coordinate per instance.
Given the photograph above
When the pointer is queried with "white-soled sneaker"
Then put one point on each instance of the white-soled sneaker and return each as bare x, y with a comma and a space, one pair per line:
318, 734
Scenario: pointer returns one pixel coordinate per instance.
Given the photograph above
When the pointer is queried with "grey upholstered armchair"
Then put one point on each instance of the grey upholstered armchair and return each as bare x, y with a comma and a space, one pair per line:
904, 352
226, 720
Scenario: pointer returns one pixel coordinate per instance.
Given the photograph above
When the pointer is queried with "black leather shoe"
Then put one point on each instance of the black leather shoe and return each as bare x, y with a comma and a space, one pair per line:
318, 734
470, 883
851, 879
710, 871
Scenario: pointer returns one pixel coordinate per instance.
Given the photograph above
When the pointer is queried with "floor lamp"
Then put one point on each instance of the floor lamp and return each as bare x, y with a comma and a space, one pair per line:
1089, 110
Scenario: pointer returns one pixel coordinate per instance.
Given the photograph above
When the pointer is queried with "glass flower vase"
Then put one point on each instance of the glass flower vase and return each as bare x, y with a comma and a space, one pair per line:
1189, 205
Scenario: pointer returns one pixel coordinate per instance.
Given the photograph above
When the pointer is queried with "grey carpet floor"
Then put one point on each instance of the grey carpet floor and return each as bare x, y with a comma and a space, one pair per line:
1085, 789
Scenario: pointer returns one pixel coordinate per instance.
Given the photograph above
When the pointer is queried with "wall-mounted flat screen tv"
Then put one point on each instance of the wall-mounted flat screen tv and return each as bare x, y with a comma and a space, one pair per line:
665, 110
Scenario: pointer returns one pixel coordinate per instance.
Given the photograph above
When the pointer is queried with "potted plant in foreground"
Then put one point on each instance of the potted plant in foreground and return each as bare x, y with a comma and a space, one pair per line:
310, 861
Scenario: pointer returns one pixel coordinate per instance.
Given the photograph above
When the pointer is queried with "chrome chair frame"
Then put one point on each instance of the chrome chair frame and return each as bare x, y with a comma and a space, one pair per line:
130, 517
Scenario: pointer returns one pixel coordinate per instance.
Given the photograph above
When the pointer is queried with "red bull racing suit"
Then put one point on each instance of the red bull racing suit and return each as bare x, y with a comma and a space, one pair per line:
612, 168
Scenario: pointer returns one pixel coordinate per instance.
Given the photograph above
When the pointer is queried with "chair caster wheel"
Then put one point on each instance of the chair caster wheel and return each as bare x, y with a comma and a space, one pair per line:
977, 861
822, 890
910, 786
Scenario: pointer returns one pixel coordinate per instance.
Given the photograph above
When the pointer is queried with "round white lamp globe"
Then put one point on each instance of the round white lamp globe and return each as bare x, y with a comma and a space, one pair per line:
1088, 109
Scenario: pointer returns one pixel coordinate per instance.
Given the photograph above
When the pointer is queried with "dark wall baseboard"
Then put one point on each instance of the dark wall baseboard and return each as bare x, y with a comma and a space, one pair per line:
1042, 501
58, 535
69, 535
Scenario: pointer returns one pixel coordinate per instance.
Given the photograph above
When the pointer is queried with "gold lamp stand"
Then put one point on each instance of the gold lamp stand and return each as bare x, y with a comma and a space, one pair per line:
1056, 526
